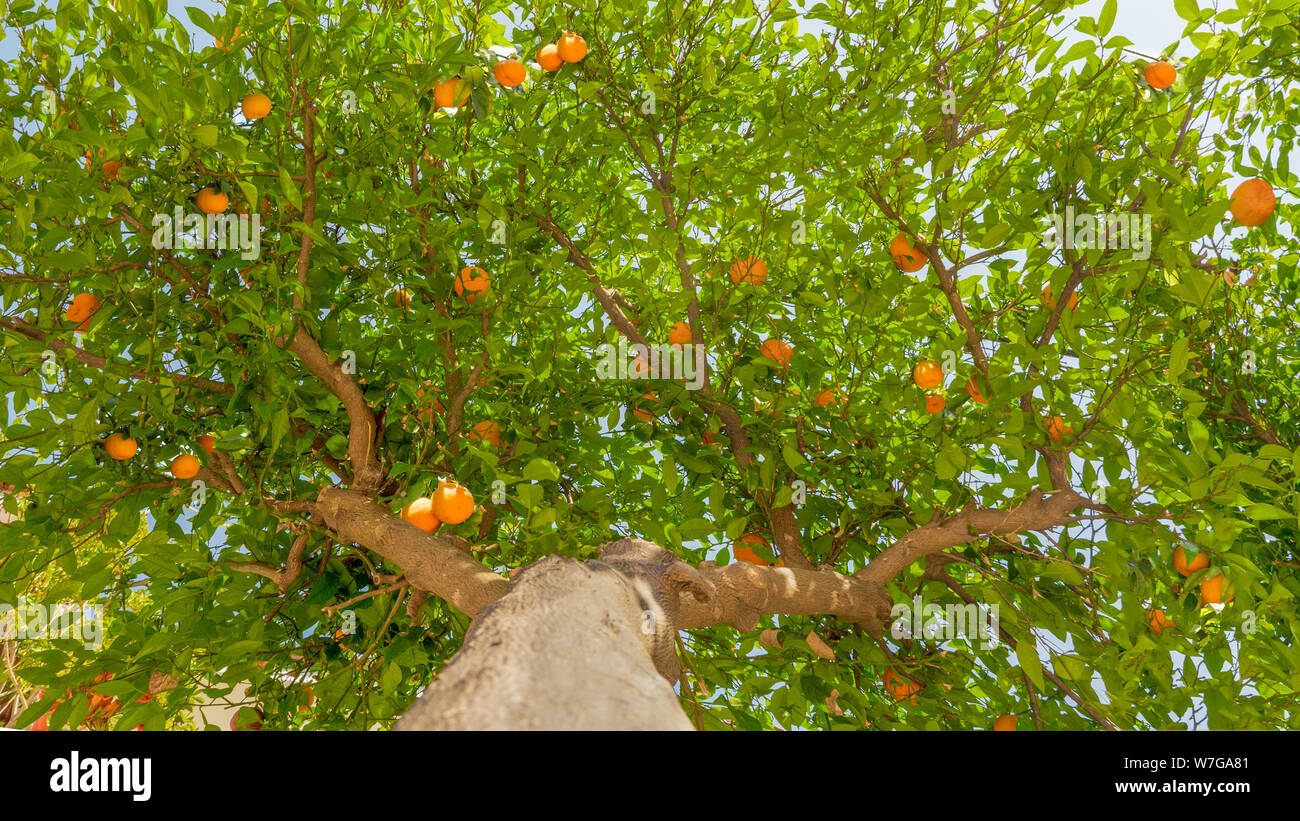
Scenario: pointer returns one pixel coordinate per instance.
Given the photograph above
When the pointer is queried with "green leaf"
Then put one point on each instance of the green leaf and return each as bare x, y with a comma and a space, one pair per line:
539, 469
1027, 654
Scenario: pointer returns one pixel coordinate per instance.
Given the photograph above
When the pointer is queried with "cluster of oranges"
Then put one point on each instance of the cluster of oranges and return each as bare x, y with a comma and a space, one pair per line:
511, 73
449, 504
121, 448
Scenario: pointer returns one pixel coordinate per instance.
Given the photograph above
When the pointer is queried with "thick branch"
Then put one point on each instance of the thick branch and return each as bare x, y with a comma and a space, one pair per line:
431, 563
1037, 512
361, 435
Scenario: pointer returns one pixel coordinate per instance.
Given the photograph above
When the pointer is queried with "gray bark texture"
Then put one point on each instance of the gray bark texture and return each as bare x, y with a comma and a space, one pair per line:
570, 646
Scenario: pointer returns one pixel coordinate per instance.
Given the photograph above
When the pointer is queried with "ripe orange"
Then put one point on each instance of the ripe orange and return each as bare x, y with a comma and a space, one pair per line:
1216, 589
777, 351
255, 106
752, 271
571, 47
207, 442
444, 94
509, 73
1005, 723
973, 388
420, 513
120, 447
1051, 303
549, 57
452, 503
680, 334
1200, 562
487, 431
82, 308
185, 466
1160, 75
1056, 427
747, 554
642, 413
827, 397
1158, 621
1253, 202
898, 686
211, 202
474, 280
426, 414
906, 255
934, 403
927, 374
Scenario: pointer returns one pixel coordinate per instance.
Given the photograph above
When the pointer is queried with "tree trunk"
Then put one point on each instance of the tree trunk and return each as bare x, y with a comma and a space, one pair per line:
564, 649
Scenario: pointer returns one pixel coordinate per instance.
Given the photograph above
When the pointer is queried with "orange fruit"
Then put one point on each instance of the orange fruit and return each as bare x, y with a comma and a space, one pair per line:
1216, 589
1253, 202
826, 397
571, 47
185, 466
747, 554
644, 414
420, 513
474, 280
82, 308
906, 255
402, 299
927, 374
1051, 303
90, 158
1160, 75
509, 73
211, 202
207, 442
111, 168
1200, 562
252, 725
680, 334
934, 403
549, 57
452, 503
752, 271
1158, 621
1005, 723
427, 413
487, 431
898, 686
777, 351
444, 94
120, 447
973, 388
1056, 427
255, 106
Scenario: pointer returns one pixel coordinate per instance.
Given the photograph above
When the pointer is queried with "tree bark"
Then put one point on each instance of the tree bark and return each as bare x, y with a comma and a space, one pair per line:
564, 649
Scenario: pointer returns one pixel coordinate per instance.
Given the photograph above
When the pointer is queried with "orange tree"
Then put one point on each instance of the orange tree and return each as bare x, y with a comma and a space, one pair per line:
818, 201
